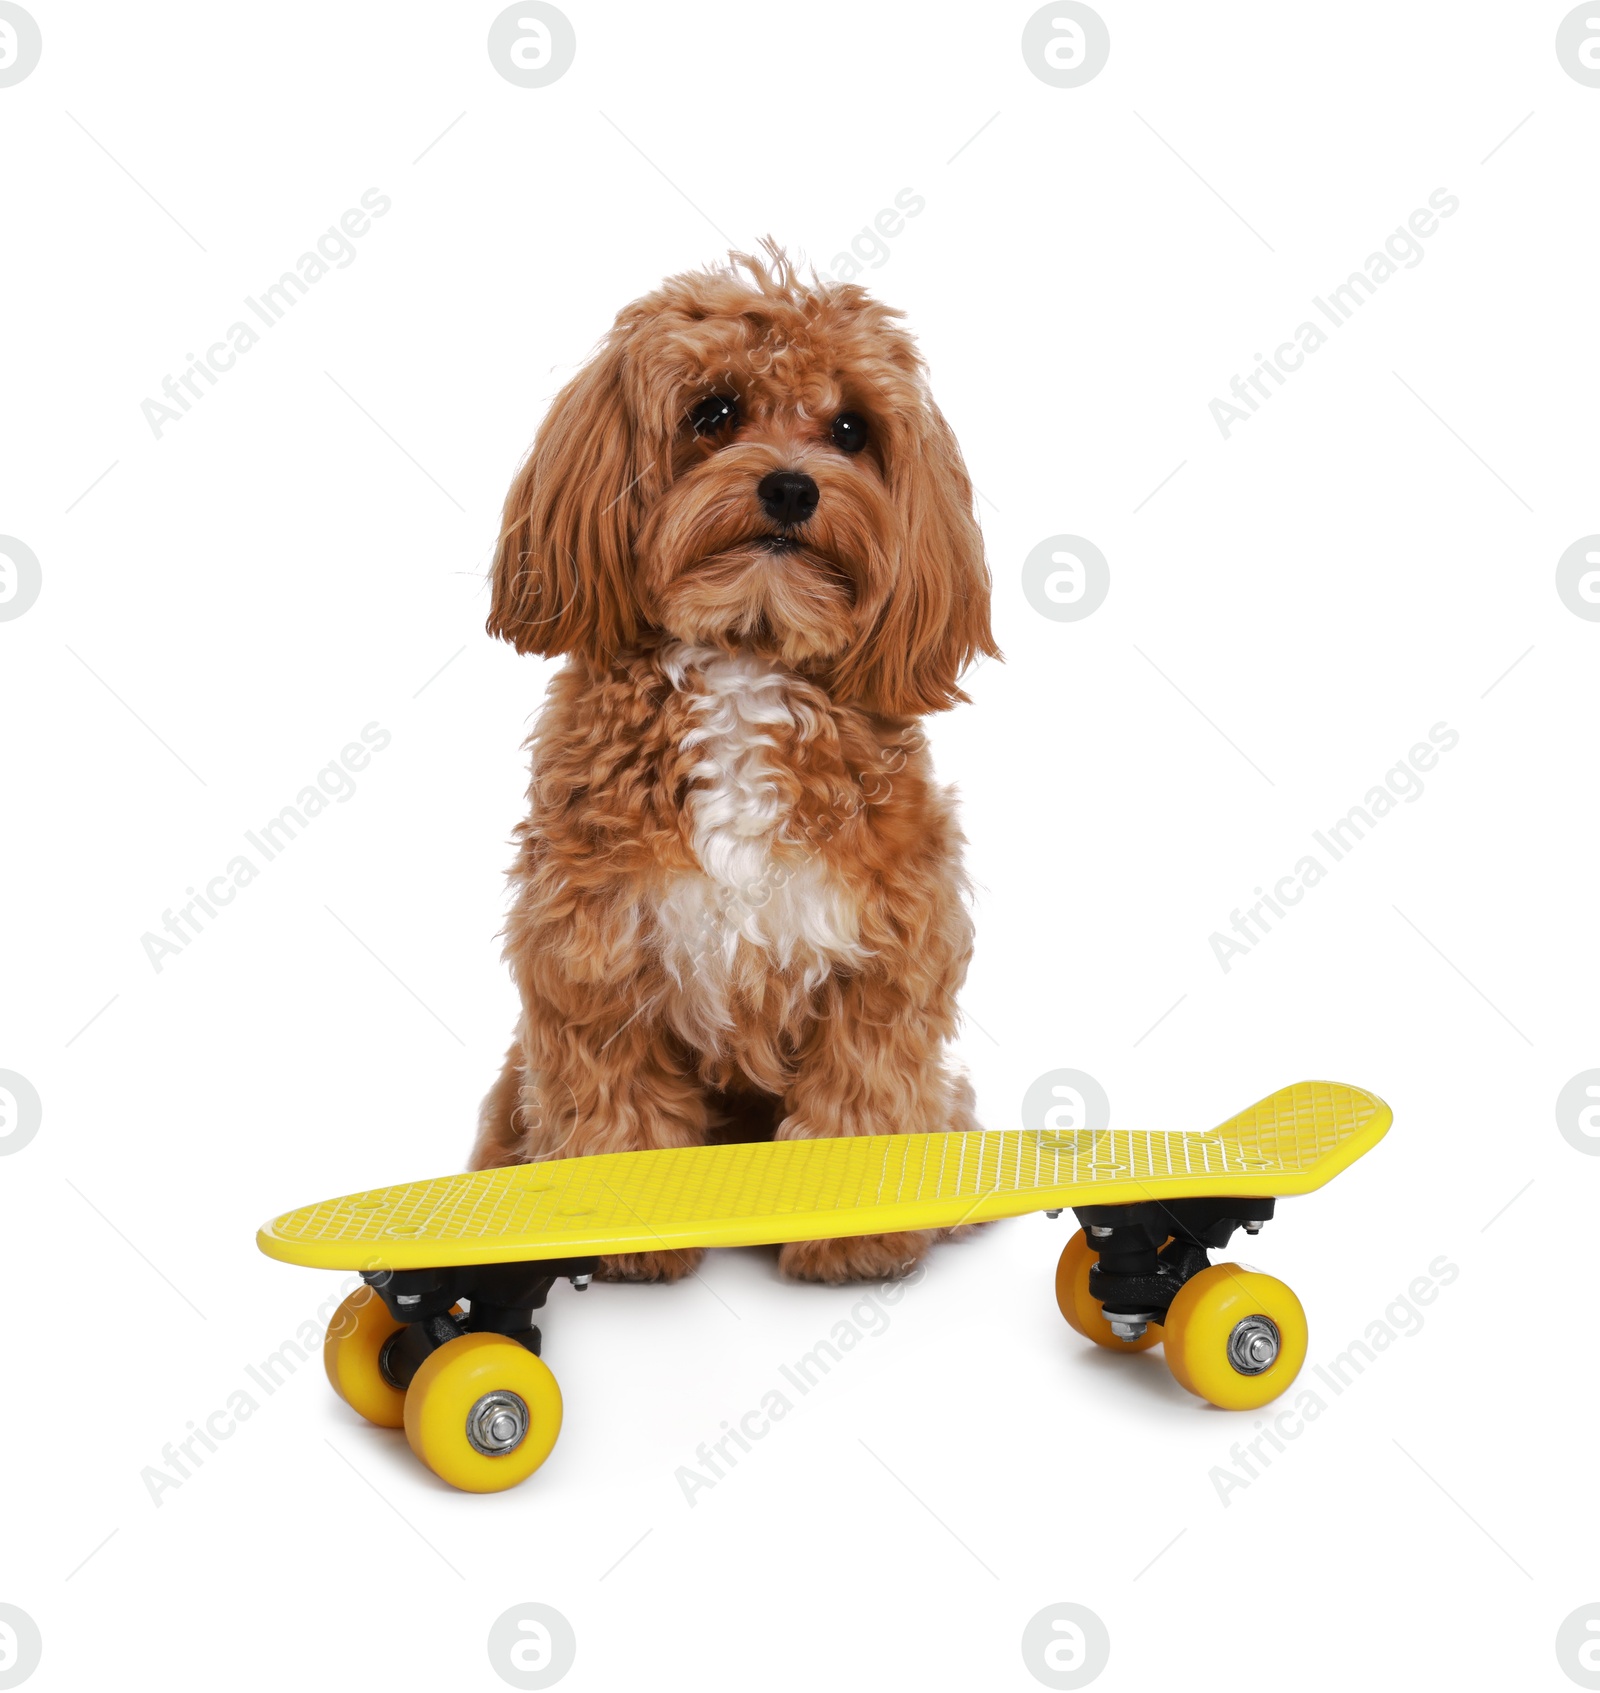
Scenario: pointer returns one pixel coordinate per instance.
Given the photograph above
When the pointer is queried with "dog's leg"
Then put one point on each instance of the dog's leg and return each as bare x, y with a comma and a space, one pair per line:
616, 1085
872, 1066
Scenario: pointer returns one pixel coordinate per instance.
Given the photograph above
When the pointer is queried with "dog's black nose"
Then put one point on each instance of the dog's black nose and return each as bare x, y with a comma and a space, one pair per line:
787, 496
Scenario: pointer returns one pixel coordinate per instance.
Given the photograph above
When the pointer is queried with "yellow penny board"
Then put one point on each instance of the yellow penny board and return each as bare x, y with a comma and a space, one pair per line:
769, 1191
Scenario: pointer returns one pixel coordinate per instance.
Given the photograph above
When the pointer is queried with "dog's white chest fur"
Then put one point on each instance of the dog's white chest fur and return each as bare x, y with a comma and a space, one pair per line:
762, 901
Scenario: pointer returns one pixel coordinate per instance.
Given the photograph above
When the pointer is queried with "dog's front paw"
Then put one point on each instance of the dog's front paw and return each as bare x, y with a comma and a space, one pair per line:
856, 1258
650, 1266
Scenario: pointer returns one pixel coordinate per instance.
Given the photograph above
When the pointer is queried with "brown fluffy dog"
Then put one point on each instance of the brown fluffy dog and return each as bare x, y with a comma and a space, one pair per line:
738, 897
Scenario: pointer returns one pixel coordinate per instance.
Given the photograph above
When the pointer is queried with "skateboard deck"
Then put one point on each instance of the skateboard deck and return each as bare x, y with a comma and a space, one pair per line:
753, 1194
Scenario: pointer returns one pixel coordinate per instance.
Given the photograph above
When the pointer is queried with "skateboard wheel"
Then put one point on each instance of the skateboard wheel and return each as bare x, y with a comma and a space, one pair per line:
1235, 1337
483, 1413
350, 1354
1081, 1309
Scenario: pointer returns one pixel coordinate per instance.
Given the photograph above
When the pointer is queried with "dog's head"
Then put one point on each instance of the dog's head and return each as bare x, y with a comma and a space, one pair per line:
749, 461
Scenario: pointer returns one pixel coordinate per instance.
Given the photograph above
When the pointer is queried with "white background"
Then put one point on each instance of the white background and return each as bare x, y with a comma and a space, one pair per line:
228, 605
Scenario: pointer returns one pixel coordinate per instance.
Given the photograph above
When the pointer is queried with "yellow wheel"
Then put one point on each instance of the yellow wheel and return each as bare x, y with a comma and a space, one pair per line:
1235, 1337
1081, 1310
350, 1353
483, 1413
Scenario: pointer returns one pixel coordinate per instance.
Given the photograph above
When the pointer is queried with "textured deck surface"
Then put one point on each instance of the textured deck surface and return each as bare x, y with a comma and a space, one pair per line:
745, 1195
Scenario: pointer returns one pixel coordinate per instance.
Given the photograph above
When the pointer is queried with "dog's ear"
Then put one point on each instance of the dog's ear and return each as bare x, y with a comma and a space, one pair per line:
563, 569
935, 616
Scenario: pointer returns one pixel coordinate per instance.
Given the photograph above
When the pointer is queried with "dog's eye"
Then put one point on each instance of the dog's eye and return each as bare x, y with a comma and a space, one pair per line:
713, 413
849, 432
